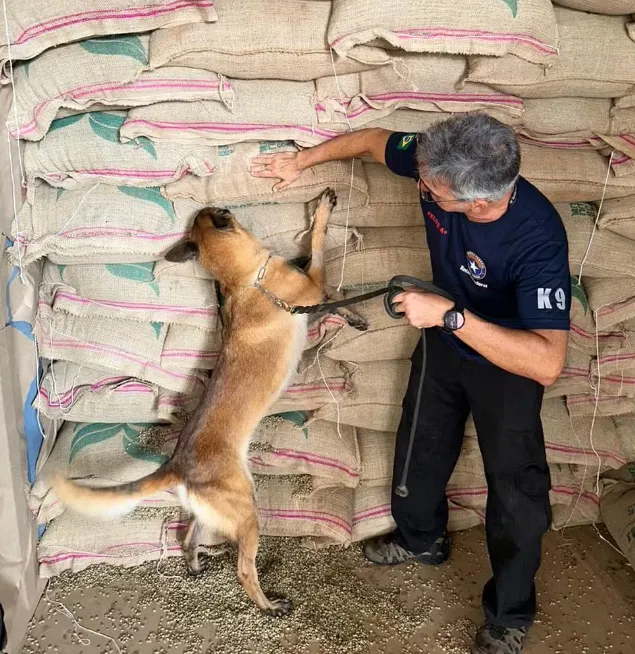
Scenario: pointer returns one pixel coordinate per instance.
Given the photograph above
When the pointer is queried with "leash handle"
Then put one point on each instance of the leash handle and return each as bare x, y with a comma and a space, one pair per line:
399, 283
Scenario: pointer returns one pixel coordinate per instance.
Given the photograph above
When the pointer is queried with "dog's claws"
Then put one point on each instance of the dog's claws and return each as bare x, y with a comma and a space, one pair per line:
197, 570
328, 195
279, 607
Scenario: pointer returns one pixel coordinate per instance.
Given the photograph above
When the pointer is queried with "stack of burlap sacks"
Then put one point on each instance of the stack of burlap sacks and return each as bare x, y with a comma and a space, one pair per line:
129, 136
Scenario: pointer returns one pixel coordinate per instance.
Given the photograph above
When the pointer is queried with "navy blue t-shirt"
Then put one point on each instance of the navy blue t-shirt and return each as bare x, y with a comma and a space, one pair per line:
513, 272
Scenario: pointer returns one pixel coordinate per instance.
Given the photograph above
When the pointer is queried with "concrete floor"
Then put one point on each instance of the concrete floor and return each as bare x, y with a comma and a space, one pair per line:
342, 605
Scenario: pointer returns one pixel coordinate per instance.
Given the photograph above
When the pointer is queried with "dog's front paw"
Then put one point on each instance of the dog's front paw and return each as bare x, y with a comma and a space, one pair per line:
328, 199
278, 607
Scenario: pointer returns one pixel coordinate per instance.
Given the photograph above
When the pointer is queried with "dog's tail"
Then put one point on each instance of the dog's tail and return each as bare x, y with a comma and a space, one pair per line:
112, 500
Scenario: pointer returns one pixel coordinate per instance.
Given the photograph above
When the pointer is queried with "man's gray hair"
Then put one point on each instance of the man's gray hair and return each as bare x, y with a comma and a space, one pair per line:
475, 155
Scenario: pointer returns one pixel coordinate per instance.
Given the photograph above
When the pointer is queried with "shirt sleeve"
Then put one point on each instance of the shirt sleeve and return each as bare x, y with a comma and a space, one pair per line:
401, 150
543, 286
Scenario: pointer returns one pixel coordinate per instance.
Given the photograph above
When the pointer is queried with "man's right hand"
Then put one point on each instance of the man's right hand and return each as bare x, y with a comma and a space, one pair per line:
283, 166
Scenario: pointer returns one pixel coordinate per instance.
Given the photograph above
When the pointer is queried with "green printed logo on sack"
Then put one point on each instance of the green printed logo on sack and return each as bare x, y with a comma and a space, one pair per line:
578, 293
135, 272
106, 126
513, 5
582, 209
298, 418
123, 46
86, 435
152, 194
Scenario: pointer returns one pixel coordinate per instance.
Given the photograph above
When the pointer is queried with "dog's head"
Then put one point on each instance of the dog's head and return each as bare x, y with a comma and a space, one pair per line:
220, 244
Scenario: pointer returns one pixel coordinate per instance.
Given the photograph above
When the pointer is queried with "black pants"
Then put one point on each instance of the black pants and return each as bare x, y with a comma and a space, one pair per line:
506, 410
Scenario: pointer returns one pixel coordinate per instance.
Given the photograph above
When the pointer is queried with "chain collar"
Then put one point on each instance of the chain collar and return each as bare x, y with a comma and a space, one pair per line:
274, 298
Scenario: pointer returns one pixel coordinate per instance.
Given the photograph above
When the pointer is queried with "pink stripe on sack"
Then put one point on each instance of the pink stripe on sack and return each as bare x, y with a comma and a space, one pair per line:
231, 127
108, 381
125, 173
314, 458
315, 516
432, 33
189, 354
310, 388
146, 11
581, 451
122, 354
138, 306
51, 560
377, 512
85, 232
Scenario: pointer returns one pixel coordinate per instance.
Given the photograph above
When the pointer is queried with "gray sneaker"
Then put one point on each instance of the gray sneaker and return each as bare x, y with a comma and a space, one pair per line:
491, 639
385, 550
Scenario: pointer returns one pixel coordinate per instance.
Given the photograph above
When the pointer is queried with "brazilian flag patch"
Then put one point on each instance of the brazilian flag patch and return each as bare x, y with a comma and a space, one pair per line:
405, 142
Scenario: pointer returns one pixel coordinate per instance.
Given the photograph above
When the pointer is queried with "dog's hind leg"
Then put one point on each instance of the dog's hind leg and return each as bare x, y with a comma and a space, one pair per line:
325, 204
247, 537
191, 546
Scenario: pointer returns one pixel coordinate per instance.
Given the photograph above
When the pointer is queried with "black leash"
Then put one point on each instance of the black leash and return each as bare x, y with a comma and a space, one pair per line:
396, 285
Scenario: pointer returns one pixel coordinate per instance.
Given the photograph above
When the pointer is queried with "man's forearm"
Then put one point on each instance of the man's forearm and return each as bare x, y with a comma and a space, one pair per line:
354, 144
525, 353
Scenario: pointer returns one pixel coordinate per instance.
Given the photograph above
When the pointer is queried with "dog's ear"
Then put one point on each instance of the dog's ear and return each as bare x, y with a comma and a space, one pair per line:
184, 251
221, 218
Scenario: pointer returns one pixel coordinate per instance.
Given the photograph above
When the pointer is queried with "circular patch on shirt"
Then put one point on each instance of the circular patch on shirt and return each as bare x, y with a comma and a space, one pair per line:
476, 266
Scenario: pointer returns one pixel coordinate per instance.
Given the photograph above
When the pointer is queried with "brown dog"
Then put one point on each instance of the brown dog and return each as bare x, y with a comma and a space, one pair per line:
262, 346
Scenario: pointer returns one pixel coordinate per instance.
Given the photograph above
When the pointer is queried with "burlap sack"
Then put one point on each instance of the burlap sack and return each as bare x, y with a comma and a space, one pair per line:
623, 117
287, 506
85, 149
383, 253
619, 216
618, 513
375, 401
377, 453
615, 7
371, 514
144, 292
117, 225
69, 391
100, 224
422, 82
617, 361
104, 71
287, 444
80, 393
574, 495
593, 252
525, 29
572, 176
34, 26
319, 382
106, 454
393, 201
567, 116
595, 60
580, 441
132, 349
259, 110
611, 300
232, 184
625, 425
574, 377
386, 338
123, 452
290, 45
75, 542
587, 405
412, 120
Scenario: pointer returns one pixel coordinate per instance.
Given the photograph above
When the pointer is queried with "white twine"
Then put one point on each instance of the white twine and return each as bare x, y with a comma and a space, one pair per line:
77, 626
350, 188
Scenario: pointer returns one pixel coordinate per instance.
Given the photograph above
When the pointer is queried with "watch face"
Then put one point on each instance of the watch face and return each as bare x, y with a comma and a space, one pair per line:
454, 320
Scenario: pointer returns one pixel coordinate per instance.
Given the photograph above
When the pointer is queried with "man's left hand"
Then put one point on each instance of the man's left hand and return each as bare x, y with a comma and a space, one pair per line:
422, 309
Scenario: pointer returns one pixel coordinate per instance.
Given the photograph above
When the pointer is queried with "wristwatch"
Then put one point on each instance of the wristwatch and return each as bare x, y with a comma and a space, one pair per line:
453, 319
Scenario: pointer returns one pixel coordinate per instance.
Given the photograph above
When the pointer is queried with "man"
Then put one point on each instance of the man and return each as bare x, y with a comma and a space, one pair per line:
498, 247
